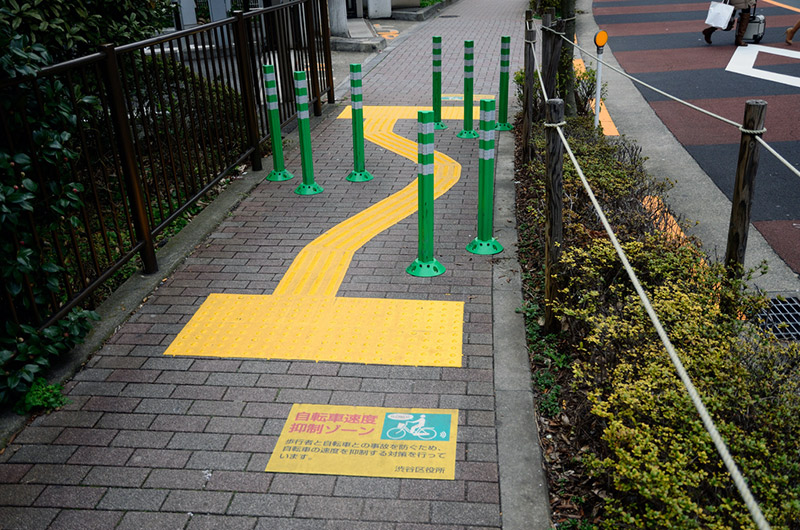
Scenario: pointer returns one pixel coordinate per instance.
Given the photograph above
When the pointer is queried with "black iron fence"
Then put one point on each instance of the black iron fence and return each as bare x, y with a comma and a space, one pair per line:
105, 151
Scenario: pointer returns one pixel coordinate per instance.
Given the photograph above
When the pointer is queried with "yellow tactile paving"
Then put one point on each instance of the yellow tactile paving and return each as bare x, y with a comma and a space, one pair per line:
303, 319
609, 129
355, 330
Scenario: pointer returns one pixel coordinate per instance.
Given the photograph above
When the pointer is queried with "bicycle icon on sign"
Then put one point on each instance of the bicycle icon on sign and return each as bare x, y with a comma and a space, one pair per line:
416, 427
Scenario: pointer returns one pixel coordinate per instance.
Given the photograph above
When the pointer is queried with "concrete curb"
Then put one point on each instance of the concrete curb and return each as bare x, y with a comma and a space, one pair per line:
420, 13
524, 500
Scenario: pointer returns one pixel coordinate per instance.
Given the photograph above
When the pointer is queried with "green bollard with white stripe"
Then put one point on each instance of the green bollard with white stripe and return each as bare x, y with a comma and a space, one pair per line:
279, 172
308, 187
438, 124
505, 62
469, 67
425, 265
485, 243
359, 173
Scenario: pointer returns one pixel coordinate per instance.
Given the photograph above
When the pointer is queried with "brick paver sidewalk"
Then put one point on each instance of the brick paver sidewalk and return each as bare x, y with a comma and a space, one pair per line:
150, 441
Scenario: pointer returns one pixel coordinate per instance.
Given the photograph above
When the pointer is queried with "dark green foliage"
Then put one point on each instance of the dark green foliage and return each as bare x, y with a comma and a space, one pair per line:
42, 396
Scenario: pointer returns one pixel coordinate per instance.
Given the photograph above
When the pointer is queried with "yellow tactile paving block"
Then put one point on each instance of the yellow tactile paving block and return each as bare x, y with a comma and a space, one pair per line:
609, 129
321, 266
336, 329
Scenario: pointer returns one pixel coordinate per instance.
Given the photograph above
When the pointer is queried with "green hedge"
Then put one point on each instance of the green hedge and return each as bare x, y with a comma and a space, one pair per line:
640, 449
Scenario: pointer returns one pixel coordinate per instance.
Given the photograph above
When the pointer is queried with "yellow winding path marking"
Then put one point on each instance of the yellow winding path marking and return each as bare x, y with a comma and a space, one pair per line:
304, 319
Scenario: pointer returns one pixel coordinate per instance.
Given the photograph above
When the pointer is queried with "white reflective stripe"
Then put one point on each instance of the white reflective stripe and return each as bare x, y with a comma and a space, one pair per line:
356, 76
299, 83
437, 68
272, 91
302, 114
271, 77
504, 69
437, 45
469, 62
425, 169
302, 99
357, 105
505, 46
487, 135
272, 105
468, 75
426, 149
426, 128
355, 90
486, 154
489, 116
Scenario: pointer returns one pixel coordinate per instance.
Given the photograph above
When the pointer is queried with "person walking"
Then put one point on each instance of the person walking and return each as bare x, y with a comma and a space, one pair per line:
790, 33
744, 20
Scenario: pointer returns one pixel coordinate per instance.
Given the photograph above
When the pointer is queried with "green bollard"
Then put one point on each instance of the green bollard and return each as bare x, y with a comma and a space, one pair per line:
486, 244
505, 62
425, 265
359, 174
437, 85
279, 172
469, 68
308, 187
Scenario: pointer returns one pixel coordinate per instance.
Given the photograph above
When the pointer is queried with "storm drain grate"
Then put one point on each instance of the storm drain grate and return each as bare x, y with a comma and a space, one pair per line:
782, 318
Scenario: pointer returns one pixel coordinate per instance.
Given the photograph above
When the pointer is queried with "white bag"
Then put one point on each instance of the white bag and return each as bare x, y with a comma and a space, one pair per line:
719, 14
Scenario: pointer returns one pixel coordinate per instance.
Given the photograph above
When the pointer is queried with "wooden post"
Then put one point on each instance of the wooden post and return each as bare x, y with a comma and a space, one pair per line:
554, 225
551, 50
754, 114
528, 95
566, 66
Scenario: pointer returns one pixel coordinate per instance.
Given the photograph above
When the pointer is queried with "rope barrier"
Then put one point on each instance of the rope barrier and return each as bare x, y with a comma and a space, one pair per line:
708, 422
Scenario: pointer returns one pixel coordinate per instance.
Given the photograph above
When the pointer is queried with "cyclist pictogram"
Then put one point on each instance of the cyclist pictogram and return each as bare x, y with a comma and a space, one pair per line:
402, 426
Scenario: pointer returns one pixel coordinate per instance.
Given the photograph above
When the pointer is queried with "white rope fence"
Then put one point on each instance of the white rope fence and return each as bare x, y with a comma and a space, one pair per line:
708, 422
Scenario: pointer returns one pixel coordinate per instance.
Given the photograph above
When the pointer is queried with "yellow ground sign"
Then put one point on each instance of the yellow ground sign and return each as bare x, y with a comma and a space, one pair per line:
367, 442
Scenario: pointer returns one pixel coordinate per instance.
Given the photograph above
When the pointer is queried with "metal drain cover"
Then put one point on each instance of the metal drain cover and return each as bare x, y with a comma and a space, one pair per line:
782, 318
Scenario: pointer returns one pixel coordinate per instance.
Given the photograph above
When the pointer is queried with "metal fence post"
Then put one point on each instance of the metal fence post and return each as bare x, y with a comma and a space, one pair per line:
246, 79
311, 38
754, 114
554, 197
119, 117
326, 41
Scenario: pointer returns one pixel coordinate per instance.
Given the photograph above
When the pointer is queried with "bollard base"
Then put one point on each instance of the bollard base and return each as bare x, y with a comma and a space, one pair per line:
485, 247
425, 269
308, 189
439, 126
359, 176
503, 127
468, 134
279, 176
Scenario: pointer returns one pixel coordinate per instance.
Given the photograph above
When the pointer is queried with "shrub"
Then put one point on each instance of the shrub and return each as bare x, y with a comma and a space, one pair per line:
642, 442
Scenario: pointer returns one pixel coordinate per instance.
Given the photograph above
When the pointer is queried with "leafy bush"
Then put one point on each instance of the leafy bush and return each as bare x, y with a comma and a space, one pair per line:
635, 437
42, 396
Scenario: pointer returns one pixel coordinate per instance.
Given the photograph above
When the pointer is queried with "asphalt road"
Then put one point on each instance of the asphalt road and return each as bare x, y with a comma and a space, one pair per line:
659, 42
